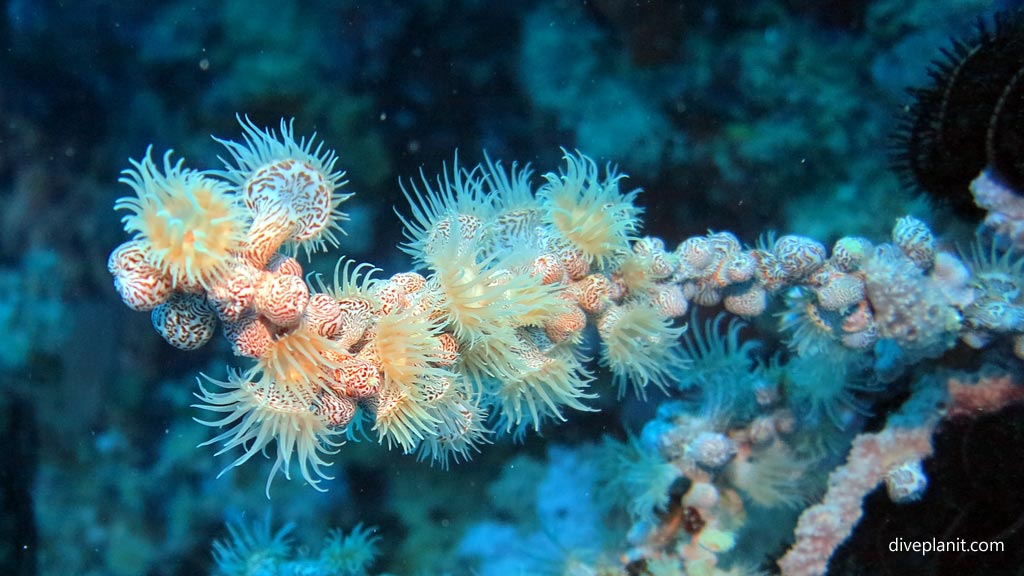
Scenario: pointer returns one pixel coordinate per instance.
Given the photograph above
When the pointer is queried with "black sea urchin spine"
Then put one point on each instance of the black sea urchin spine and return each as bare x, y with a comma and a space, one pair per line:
970, 117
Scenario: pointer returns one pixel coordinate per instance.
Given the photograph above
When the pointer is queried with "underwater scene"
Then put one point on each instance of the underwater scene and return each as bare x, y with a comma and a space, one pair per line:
477, 288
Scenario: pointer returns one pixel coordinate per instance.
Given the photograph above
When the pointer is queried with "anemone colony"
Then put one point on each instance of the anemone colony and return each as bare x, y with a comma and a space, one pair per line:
488, 334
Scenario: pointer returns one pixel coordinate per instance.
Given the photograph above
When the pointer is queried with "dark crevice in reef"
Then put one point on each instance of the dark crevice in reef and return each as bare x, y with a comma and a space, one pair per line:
17, 473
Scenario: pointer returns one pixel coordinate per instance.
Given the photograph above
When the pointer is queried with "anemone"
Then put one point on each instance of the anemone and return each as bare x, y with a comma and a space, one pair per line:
351, 280
724, 367
827, 387
641, 347
261, 414
812, 331
989, 264
406, 346
717, 358
591, 214
632, 272
710, 408
517, 213
354, 290
495, 357
470, 298
773, 477
254, 550
301, 357
436, 210
350, 554
766, 241
478, 296
189, 224
277, 170
994, 292
401, 418
531, 302
635, 479
461, 428
510, 190
553, 379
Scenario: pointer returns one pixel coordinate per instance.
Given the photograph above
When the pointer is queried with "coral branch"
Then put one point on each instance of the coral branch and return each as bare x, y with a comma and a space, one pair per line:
892, 455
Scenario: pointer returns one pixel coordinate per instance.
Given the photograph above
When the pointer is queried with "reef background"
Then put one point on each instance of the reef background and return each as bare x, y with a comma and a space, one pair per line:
733, 116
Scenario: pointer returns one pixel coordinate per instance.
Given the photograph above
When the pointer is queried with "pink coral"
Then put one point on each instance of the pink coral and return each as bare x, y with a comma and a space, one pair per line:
884, 456
141, 285
823, 527
1004, 204
184, 321
969, 399
282, 298
324, 316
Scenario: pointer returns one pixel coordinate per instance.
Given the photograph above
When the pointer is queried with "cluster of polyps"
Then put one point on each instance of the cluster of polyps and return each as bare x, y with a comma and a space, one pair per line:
512, 277
205, 243
495, 324
207, 247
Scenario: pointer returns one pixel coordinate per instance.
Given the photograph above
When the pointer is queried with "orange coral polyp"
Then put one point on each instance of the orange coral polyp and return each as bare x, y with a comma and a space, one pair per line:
592, 215
257, 415
406, 345
302, 357
641, 346
189, 224
458, 197
468, 297
548, 383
